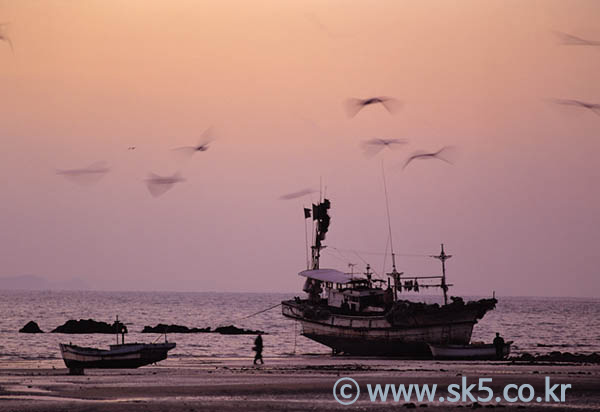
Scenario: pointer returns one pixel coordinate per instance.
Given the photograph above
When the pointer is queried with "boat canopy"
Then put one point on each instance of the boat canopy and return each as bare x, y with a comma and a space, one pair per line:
327, 275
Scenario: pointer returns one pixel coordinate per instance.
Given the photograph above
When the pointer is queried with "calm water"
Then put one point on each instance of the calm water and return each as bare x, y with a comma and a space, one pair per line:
537, 325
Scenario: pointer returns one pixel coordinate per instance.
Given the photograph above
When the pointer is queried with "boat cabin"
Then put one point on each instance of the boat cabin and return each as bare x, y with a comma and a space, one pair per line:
340, 290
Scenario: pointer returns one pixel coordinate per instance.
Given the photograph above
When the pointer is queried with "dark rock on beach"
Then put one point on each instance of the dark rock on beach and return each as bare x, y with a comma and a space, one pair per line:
162, 328
559, 357
89, 326
31, 327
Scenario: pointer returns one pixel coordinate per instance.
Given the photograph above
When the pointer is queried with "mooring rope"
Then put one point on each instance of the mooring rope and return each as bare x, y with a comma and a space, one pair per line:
259, 312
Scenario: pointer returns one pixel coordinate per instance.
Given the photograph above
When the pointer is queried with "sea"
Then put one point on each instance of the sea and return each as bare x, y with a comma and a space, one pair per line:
536, 325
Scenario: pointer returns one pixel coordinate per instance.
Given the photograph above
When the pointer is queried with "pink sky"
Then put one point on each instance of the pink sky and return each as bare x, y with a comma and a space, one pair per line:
519, 209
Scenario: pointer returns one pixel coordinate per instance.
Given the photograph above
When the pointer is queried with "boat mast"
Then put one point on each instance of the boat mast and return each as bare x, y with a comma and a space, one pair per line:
394, 273
443, 257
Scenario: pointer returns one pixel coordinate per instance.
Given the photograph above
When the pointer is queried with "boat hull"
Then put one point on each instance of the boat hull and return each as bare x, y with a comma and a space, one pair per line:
118, 357
374, 335
468, 352
381, 342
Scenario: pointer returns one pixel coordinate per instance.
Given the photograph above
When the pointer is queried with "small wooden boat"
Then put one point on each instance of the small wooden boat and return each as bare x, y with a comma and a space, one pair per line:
126, 356
479, 351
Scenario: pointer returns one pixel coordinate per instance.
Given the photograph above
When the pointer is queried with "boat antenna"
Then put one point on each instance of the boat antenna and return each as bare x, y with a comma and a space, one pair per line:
443, 257
320, 189
387, 208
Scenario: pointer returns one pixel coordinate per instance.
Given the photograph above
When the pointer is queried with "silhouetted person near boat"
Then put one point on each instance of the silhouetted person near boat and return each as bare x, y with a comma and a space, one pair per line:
499, 345
258, 348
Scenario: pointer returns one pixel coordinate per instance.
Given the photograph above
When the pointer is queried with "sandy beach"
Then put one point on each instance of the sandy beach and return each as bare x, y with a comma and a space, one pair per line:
290, 384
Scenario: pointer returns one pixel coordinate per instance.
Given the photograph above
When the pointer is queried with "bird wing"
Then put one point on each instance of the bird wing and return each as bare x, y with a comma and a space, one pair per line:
297, 194
86, 176
353, 106
6, 37
372, 147
100, 166
9, 41
207, 136
411, 158
157, 189
446, 154
394, 143
574, 40
391, 105
185, 150
569, 102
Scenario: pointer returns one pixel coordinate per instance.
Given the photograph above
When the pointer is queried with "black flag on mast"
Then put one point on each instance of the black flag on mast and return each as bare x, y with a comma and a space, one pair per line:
306, 213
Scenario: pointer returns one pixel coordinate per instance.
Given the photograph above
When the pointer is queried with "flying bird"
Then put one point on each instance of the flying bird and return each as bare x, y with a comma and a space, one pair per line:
297, 194
202, 146
4, 36
570, 40
87, 175
353, 106
158, 185
594, 107
131, 148
421, 155
374, 146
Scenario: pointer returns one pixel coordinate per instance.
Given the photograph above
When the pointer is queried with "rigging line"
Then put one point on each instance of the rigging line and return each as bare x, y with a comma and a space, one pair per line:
387, 208
359, 256
345, 261
385, 255
342, 255
367, 263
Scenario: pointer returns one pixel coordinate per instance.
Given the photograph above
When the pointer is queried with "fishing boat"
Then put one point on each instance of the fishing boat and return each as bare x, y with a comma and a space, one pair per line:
478, 351
361, 315
118, 356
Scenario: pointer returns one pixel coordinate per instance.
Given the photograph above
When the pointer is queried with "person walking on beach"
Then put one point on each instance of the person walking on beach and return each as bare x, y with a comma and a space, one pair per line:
499, 345
258, 348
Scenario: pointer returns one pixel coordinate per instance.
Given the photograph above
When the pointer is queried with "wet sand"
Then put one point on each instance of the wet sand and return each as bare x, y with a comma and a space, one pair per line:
287, 384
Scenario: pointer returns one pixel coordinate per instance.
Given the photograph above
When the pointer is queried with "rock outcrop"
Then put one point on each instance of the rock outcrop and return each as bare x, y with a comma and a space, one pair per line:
90, 326
223, 330
31, 327
232, 330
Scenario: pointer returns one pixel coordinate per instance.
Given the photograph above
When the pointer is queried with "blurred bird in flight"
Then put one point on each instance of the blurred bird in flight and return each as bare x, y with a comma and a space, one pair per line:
202, 146
441, 154
87, 175
297, 194
374, 146
4, 36
158, 185
570, 40
353, 106
594, 107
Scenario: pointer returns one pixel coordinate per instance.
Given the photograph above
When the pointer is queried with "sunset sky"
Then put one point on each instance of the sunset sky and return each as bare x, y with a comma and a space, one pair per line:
519, 209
